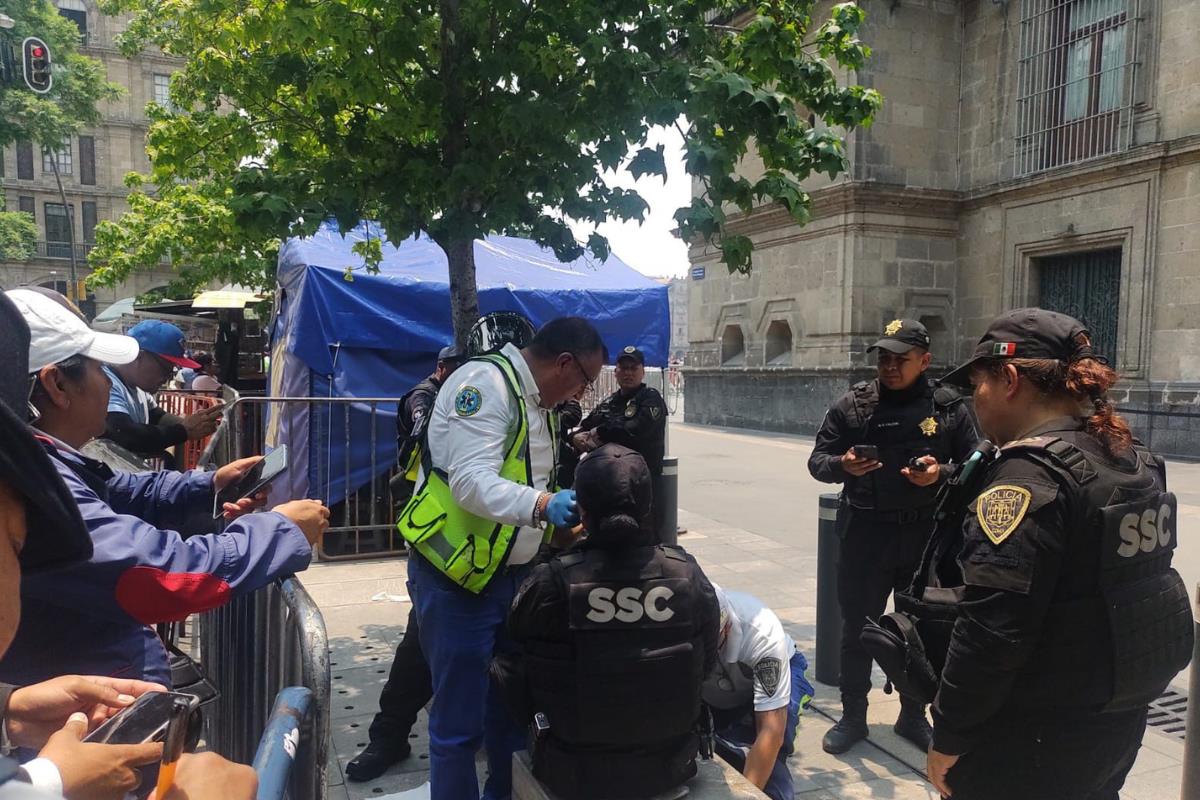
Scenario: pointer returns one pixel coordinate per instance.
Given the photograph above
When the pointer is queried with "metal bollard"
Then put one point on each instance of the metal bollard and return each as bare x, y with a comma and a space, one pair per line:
668, 487
1191, 745
829, 611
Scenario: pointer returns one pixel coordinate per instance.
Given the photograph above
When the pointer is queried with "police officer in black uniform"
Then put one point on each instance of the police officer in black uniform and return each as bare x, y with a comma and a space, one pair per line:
1070, 619
890, 442
635, 416
618, 633
409, 686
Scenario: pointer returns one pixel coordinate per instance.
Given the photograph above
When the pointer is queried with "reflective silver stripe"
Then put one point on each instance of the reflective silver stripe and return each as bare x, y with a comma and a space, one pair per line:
827, 513
671, 470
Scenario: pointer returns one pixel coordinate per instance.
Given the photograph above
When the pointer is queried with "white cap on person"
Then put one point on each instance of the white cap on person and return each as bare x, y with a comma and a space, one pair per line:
56, 333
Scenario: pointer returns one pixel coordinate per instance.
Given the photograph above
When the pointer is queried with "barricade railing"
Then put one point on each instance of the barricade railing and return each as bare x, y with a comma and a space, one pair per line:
182, 404
277, 749
253, 648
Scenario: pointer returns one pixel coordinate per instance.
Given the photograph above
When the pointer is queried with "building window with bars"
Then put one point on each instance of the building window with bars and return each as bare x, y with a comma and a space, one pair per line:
62, 156
1075, 81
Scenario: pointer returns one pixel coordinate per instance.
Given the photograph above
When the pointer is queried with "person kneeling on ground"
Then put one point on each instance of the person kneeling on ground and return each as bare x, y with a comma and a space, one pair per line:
41, 530
757, 693
618, 633
94, 617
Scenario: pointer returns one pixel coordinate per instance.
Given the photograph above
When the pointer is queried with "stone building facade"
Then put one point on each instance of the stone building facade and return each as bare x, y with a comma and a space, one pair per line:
1029, 152
92, 165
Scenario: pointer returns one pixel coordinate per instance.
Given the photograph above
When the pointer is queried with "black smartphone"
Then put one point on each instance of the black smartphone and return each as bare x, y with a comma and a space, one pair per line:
866, 451
260, 475
144, 721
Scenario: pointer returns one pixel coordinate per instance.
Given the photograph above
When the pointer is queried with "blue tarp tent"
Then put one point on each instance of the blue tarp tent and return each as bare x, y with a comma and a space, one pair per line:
378, 335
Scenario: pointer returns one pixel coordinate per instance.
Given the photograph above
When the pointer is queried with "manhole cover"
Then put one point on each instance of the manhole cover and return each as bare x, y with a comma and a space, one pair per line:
1169, 713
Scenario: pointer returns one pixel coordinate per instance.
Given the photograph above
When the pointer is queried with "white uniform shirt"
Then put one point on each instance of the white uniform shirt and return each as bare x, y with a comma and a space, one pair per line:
469, 446
754, 663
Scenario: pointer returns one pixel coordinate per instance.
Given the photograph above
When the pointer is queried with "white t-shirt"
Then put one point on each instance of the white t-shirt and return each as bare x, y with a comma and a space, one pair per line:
754, 661
471, 420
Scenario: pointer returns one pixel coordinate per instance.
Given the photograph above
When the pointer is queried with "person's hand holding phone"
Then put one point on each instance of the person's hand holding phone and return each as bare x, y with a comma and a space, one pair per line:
36, 712
230, 474
204, 423
96, 771
857, 465
310, 516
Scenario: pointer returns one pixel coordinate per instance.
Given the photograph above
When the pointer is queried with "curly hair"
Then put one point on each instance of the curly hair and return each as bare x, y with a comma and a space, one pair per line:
1086, 380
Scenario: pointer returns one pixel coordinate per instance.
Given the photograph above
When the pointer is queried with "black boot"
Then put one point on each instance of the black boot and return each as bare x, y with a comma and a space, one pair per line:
851, 728
912, 725
375, 760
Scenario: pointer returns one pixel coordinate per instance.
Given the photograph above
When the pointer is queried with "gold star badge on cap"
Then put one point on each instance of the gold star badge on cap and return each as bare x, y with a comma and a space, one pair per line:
1001, 510
893, 328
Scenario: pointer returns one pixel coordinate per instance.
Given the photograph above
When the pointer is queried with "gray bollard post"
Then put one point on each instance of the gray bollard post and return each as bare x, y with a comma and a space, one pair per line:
668, 487
1191, 745
829, 612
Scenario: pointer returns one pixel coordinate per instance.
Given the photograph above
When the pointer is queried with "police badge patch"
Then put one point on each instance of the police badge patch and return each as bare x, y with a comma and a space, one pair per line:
631, 409
1001, 510
893, 328
928, 426
768, 672
468, 402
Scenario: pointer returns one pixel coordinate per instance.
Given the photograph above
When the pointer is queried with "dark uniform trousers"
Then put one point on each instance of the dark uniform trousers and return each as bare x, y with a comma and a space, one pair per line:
1040, 756
877, 556
408, 689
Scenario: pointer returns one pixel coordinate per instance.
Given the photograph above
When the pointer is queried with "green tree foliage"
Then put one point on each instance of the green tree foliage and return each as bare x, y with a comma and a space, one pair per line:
18, 236
460, 118
79, 81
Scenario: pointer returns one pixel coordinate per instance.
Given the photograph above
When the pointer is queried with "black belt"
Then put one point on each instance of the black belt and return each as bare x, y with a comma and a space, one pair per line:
900, 516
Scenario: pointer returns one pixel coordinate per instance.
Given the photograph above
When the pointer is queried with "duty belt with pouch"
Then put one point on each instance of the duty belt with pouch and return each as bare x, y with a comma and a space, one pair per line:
910, 644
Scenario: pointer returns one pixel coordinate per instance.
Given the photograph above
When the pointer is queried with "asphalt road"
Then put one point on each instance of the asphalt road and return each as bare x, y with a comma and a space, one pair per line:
760, 482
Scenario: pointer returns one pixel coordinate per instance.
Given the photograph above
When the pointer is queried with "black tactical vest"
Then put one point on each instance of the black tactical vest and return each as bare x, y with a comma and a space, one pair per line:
1119, 626
902, 431
622, 696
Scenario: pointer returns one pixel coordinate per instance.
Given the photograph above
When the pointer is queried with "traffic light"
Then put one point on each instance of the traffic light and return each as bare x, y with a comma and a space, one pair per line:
35, 60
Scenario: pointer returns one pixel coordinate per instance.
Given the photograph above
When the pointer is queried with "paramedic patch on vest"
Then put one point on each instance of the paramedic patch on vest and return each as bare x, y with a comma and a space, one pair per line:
468, 402
1001, 509
767, 672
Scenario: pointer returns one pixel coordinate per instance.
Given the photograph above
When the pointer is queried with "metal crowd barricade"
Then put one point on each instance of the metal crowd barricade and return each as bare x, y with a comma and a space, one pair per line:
363, 512
253, 648
182, 404
277, 749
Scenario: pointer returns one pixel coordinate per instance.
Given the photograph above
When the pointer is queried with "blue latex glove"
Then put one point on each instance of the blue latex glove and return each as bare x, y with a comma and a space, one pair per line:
561, 511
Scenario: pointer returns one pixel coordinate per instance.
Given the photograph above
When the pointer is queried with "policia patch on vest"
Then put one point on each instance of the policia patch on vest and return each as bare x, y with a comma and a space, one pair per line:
468, 402
1001, 509
631, 409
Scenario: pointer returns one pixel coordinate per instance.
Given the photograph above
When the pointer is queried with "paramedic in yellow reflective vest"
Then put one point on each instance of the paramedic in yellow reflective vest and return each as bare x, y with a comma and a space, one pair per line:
484, 501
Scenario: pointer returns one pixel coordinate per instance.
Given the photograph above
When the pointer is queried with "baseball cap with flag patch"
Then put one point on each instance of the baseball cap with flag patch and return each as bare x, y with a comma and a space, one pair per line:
1028, 333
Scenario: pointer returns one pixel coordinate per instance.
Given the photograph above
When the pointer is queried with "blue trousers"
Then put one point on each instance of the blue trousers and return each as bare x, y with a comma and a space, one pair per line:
460, 632
733, 741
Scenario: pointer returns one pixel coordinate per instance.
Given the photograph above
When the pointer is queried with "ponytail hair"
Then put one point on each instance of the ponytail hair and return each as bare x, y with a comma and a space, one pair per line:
1085, 380
616, 531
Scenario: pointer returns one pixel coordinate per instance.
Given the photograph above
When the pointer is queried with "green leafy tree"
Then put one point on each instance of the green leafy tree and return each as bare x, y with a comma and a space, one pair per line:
79, 81
18, 236
460, 118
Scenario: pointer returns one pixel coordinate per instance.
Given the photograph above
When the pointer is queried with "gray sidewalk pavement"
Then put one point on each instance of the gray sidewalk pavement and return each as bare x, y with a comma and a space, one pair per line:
750, 509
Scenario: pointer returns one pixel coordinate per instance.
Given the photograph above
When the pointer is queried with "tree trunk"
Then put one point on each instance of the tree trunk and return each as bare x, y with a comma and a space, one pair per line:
464, 295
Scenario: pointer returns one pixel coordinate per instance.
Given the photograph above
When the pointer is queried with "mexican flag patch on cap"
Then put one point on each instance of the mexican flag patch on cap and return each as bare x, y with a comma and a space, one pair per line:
1004, 349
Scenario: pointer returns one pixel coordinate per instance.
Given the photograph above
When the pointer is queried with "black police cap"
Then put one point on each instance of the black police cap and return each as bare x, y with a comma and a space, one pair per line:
451, 354
632, 352
1027, 333
613, 479
55, 533
902, 335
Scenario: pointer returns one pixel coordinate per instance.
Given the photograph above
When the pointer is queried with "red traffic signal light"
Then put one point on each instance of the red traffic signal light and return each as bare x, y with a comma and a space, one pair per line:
35, 62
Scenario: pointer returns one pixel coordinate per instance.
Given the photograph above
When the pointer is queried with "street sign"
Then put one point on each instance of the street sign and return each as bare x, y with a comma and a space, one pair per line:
35, 64
697, 273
